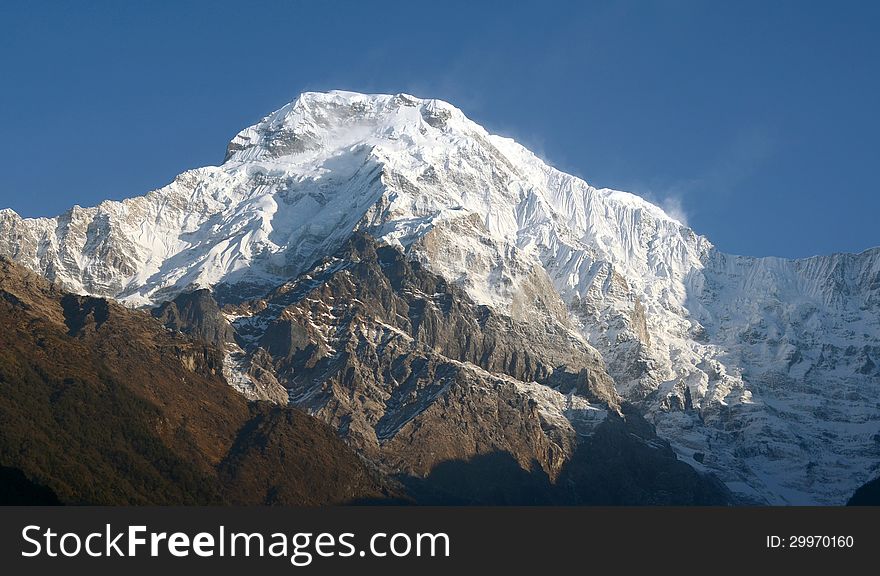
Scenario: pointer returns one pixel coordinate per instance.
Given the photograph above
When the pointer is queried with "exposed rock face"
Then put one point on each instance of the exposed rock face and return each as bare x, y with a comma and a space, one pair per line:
197, 314
413, 373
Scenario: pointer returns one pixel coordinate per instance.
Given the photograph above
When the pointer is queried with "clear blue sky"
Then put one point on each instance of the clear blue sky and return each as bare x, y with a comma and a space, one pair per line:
759, 120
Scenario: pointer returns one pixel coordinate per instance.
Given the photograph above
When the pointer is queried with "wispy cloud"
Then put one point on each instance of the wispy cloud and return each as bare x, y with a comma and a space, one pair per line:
674, 207
671, 200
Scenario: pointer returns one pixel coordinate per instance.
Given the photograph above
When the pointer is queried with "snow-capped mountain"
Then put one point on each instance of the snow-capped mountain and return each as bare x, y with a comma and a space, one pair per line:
762, 370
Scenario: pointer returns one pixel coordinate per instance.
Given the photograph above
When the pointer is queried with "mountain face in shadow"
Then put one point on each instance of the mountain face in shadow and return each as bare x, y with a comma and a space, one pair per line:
867, 494
622, 463
16, 489
625, 463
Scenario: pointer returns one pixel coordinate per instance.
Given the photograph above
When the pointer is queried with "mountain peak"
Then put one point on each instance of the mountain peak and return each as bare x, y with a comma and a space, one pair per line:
321, 120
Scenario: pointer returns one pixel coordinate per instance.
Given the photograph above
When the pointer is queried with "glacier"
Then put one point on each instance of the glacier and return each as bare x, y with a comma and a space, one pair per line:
764, 371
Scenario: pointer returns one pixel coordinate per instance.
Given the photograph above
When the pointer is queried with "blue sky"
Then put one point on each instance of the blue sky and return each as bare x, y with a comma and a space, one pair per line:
758, 121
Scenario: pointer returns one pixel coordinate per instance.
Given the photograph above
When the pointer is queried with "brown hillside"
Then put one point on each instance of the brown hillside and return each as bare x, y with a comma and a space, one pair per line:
103, 405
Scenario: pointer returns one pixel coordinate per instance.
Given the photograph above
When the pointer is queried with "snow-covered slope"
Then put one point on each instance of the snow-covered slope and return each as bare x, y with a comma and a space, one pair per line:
764, 371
